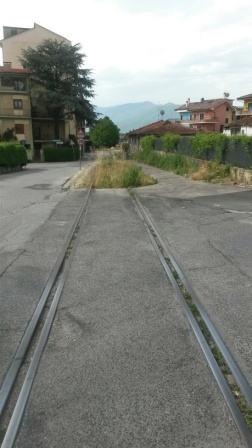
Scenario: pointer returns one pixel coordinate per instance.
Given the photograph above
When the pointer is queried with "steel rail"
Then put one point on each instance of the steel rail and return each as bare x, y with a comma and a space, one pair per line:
19, 410
18, 359
235, 369
226, 392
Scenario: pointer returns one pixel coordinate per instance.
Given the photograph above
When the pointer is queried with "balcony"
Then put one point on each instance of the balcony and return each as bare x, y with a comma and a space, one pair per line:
25, 113
198, 121
244, 112
13, 89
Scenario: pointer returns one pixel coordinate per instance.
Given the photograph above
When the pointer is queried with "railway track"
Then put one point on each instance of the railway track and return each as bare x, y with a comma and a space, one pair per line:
228, 375
44, 316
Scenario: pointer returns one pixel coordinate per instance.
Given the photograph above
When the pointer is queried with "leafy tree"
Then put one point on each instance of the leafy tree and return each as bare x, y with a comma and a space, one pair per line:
105, 133
60, 81
8, 135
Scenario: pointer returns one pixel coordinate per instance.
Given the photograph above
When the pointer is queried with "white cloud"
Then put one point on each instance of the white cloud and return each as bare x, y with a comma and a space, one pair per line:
157, 50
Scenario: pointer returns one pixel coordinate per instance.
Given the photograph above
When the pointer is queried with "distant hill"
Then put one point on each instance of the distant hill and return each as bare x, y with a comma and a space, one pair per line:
135, 115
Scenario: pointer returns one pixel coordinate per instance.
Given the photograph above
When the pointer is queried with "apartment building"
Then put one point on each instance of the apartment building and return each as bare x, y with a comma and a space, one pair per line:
19, 107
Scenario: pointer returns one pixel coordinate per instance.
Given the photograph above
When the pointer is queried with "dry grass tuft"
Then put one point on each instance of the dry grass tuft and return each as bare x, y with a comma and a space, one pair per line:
111, 172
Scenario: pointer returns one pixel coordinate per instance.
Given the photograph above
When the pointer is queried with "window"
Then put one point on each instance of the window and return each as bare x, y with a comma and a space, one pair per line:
194, 116
201, 116
18, 84
226, 120
17, 104
19, 128
198, 126
181, 117
227, 109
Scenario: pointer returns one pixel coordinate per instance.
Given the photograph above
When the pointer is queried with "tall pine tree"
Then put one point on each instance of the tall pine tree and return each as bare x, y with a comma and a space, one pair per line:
60, 81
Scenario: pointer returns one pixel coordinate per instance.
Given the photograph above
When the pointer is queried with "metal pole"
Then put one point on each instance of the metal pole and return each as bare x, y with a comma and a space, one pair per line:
80, 156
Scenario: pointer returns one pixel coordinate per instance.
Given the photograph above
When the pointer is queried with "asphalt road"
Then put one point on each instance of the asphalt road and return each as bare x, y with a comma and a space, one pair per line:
122, 367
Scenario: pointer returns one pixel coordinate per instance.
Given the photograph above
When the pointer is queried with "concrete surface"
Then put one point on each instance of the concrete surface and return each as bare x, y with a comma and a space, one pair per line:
122, 367
208, 228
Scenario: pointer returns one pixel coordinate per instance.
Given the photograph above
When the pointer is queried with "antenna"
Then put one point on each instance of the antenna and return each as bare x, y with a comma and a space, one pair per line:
226, 95
162, 112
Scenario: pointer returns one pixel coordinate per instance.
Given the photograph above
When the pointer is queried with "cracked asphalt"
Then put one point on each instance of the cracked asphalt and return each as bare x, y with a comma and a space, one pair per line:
122, 367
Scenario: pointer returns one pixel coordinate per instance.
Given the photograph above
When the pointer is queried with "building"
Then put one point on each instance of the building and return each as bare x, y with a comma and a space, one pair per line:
22, 105
15, 105
207, 115
158, 129
17, 39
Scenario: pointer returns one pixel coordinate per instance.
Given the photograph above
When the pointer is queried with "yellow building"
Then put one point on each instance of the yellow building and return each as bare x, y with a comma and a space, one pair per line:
15, 105
18, 106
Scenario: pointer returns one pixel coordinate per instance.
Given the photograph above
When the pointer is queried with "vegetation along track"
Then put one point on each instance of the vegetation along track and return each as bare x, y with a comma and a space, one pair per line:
37, 334
230, 379
234, 386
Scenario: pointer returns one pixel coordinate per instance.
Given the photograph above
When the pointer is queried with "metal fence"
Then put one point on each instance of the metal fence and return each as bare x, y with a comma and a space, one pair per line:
235, 154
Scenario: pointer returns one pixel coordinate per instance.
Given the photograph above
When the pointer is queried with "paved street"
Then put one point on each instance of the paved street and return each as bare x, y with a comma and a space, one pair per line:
122, 367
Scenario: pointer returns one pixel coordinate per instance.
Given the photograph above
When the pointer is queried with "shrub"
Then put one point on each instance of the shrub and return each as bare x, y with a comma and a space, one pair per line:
12, 155
170, 142
63, 154
147, 142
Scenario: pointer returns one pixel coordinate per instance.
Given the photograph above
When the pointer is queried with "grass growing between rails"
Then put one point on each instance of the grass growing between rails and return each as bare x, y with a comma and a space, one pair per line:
190, 167
112, 172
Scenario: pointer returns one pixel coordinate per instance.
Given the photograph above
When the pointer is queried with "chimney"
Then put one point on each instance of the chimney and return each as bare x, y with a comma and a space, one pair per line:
187, 102
7, 65
202, 99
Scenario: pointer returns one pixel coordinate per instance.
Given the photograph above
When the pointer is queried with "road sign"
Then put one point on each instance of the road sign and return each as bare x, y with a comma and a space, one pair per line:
80, 133
80, 141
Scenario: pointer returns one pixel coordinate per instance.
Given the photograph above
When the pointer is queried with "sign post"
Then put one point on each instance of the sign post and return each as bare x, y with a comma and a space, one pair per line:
80, 140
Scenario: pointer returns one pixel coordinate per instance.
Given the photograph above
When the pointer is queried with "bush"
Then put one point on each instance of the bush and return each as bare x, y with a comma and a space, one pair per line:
170, 142
148, 142
12, 155
63, 154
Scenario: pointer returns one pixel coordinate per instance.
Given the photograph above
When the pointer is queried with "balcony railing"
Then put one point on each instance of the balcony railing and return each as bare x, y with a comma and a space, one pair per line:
199, 121
12, 89
15, 112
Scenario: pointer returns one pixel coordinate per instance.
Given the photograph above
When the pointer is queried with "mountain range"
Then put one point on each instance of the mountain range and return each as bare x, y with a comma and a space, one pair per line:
132, 116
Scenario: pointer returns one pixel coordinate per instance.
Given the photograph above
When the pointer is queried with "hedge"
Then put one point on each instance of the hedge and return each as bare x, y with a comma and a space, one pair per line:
12, 155
62, 154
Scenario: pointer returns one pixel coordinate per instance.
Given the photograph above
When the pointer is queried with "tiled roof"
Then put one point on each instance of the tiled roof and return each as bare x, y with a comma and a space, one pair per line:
245, 97
203, 105
14, 70
163, 127
242, 122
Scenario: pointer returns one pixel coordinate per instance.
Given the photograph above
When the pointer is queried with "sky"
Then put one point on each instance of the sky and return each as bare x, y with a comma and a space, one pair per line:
152, 50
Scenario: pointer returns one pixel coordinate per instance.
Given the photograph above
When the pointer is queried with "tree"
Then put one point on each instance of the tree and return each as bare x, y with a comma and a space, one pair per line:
60, 81
104, 133
8, 135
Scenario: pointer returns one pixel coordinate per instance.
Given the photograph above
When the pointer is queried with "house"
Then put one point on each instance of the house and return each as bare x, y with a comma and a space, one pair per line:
20, 103
158, 129
241, 126
207, 115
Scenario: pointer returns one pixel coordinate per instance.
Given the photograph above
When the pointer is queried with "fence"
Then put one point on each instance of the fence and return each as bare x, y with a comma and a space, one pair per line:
235, 153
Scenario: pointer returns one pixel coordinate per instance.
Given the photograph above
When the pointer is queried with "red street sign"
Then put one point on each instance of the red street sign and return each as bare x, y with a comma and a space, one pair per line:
80, 133
80, 141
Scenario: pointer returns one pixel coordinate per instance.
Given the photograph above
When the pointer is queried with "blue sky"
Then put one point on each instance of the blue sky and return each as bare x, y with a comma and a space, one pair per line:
153, 50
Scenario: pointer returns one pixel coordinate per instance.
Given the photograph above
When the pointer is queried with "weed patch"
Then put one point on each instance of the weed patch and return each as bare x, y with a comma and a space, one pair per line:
111, 172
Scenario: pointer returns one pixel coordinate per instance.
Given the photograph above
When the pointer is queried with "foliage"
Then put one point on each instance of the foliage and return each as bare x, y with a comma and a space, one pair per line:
104, 134
244, 140
111, 172
63, 154
202, 143
216, 172
8, 135
176, 163
12, 155
59, 80
170, 142
147, 142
